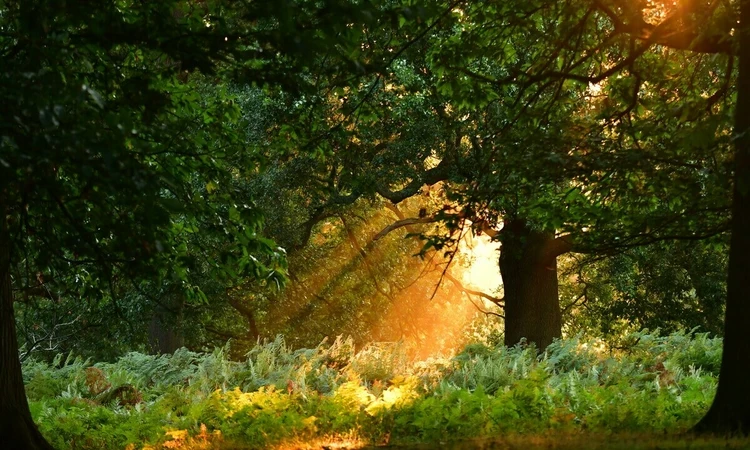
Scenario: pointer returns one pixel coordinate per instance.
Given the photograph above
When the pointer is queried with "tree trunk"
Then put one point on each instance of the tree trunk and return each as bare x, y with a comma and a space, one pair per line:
165, 331
253, 333
17, 430
730, 411
528, 267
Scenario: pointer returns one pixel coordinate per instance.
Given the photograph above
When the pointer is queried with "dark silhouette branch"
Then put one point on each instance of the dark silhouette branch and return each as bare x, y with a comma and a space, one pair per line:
669, 34
429, 177
432, 176
465, 290
485, 312
249, 315
402, 224
353, 240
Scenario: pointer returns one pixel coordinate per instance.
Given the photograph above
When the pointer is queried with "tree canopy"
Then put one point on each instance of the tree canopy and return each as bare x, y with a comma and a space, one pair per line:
176, 164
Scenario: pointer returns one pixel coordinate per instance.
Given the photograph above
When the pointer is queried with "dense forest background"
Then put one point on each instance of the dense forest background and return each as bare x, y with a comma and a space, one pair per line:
371, 210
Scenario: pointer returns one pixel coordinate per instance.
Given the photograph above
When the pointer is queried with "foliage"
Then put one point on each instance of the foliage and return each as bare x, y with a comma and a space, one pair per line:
135, 146
666, 286
129, 134
653, 384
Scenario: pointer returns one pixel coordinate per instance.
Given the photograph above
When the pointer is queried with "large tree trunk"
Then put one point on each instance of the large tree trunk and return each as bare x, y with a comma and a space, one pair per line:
17, 430
730, 411
528, 267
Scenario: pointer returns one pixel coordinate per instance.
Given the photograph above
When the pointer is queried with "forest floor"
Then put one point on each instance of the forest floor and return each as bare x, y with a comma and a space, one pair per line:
576, 395
583, 441
551, 441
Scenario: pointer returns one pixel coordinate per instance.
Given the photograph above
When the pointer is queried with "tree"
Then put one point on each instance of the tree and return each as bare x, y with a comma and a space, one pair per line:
676, 30
95, 163
730, 410
111, 158
546, 161
541, 151
615, 178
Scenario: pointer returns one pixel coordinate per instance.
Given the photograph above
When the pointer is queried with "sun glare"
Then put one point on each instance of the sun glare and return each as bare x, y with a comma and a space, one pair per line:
483, 271
436, 319
430, 320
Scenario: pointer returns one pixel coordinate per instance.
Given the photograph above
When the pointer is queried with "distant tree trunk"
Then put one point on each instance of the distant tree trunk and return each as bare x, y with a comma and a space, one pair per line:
730, 410
253, 333
165, 333
17, 429
529, 271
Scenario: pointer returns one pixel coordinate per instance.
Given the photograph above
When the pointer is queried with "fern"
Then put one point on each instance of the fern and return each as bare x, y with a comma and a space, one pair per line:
649, 383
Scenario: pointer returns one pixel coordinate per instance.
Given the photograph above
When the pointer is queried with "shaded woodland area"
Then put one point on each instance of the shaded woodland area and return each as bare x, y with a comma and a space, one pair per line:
299, 224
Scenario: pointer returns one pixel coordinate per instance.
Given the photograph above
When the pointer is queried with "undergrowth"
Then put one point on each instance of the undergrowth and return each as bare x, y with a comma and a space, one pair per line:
205, 400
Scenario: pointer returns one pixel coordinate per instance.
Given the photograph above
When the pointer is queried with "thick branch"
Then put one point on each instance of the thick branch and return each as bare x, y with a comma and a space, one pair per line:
394, 208
486, 228
353, 240
429, 177
319, 215
570, 242
401, 224
562, 245
242, 309
249, 315
488, 313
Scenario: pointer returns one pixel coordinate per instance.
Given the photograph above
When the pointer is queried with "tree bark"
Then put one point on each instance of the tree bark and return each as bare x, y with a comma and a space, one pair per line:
17, 429
165, 333
253, 332
730, 410
528, 266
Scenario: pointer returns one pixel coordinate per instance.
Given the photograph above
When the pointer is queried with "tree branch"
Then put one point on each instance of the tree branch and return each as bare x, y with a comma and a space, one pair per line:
668, 35
465, 290
401, 224
430, 177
